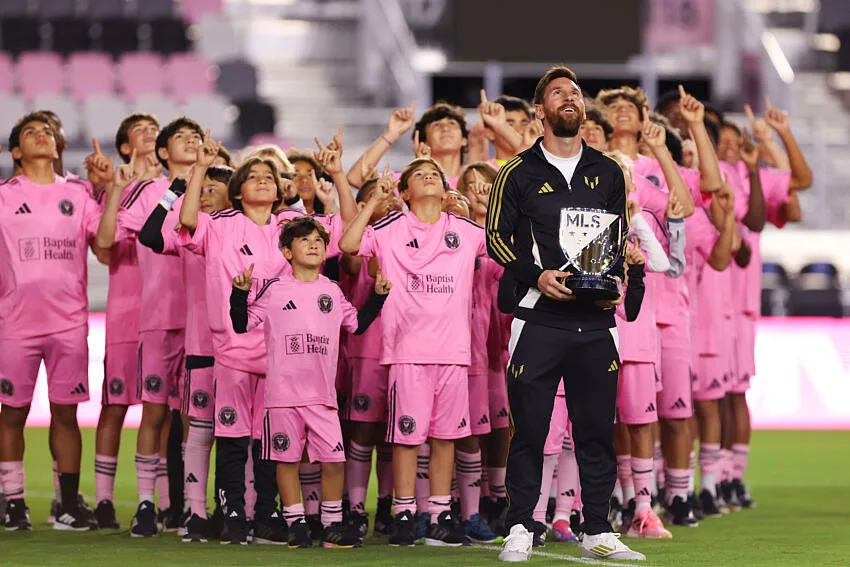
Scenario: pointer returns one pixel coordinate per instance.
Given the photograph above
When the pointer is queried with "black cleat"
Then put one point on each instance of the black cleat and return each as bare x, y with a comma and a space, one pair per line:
404, 530
730, 496
166, 521
383, 517
709, 503
446, 532
679, 513
550, 510
339, 536
539, 535
215, 525
105, 517
743, 494
17, 517
497, 512
299, 535
575, 522
79, 520
628, 514
696, 506
270, 530
144, 522
314, 522
196, 530
359, 522
235, 530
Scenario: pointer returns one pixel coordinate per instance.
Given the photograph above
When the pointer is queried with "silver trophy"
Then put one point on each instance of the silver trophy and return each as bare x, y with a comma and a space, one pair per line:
592, 241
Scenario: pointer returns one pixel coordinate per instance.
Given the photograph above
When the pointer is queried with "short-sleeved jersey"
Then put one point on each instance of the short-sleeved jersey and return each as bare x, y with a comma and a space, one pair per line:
651, 169
301, 326
163, 303
357, 289
44, 235
199, 340
700, 235
483, 297
500, 328
426, 318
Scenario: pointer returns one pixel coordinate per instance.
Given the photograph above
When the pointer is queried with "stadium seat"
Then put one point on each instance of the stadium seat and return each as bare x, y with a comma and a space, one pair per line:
70, 35
11, 108
118, 36
52, 9
7, 74
140, 74
153, 9
255, 117
237, 79
213, 112
189, 75
18, 35
100, 9
100, 116
216, 39
90, 74
168, 35
65, 109
40, 73
774, 290
163, 107
193, 10
817, 292
14, 9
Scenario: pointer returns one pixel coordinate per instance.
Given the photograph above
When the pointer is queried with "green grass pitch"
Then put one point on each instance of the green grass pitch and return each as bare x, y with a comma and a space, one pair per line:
800, 480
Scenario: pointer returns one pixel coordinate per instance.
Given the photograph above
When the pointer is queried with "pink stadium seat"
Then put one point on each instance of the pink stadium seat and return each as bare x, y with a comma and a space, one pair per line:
192, 10
189, 75
140, 74
90, 74
40, 73
7, 74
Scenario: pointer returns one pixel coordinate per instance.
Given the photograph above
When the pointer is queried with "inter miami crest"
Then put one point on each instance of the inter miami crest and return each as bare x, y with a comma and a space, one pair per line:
406, 425
116, 386
227, 416
200, 399
452, 240
66, 207
361, 403
326, 304
6, 387
280, 442
153, 383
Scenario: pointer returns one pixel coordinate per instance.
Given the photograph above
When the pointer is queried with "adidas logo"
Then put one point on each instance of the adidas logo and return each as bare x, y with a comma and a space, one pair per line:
312, 497
338, 448
680, 404
650, 407
643, 492
570, 492
714, 384
23, 210
545, 189
290, 305
601, 550
245, 250
462, 423
483, 420
191, 478
413, 244
422, 476
80, 389
502, 412
234, 514
614, 366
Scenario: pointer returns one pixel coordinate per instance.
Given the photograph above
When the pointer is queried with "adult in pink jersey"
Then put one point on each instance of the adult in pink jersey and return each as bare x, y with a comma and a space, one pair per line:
162, 328
231, 240
431, 256
302, 341
46, 229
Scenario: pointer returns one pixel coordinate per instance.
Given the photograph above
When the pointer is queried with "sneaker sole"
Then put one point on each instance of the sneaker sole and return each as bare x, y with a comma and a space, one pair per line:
327, 545
637, 535
59, 527
234, 542
616, 556
141, 535
18, 529
411, 544
440, 543
194, 540
476, 540
264, 541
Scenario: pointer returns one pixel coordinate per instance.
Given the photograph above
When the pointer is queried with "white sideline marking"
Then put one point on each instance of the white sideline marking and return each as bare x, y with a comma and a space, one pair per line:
568, 557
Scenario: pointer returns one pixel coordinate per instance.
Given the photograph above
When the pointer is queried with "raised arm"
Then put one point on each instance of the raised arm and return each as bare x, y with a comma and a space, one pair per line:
694, 112
655, 137
675, 238
242, 316
399, 122
756, 206
801, 173
191, 205
493, 116
151, 233
124, 176
372, 308
762, 133
353, 235
724, 204
331, 162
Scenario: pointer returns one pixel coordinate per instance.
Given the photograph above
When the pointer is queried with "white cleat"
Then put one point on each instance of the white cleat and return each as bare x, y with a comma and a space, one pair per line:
517, 545
607, 546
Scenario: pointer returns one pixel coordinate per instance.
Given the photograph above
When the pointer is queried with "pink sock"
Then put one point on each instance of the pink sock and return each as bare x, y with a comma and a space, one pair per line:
468, 471
624, 473
162, 484
293, 513
197, 464
385, 471
331, 512
146, 469
642, 477
358, 469
567, 483
56, 489
404, 504
677, 483
496, 480
423, 477
549, 463
692, 468
709, 463
250, 491
12, 479
437, 505
485, 483
658, 464
740, 456
310, 475
104, 477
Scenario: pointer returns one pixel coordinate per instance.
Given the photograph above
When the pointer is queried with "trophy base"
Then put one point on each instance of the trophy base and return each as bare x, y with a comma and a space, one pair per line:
592, 287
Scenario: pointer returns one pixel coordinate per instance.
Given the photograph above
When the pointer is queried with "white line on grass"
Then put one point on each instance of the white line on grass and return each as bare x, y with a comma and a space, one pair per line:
565, 557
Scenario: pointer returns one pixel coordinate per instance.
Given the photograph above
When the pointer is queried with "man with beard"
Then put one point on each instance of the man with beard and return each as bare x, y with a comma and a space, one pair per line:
554, 333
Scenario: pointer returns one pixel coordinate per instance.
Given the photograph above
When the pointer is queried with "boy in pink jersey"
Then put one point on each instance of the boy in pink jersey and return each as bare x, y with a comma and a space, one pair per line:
506, 134
431, 255
230, 240
302, 314
163, 302
46, 229
596, 130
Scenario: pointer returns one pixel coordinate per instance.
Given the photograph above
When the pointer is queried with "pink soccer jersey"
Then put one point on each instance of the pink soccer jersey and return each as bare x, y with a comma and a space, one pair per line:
163, 303
123, 300
639, 338
483, 296
45, 231
358, 288
199, 341
301, 322
231, 242
650, 169
426, 318
700, 235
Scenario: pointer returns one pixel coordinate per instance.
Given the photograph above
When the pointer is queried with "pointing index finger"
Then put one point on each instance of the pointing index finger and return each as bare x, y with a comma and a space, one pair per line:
319, 144
749, 112
96, 147
483, 96
767, 105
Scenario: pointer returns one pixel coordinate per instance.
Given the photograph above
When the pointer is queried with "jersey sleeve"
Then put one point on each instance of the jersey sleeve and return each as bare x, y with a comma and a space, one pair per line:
333, 224
136, 206
258, 308
692, 178
194, 242
368, 244
349, 314
92, 212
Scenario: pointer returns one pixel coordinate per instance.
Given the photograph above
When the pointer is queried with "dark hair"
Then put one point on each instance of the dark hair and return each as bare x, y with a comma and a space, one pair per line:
666, 99
513, 104
366, 189
166, 134
302, 226
732, 126
557, 72
713, 129
411, 168
15, 135
634, 95
673, 140
224, 154
485, 169
711, 109
220, 173
58, 130
123, 134
598, 114
306, 156
437, 112
234, 188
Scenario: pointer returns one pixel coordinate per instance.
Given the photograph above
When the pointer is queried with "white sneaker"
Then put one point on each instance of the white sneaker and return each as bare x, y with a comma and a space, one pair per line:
517, 545
606, 546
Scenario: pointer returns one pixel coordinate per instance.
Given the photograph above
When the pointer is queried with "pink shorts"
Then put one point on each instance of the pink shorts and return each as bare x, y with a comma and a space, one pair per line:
636, 395
745, 354
675, 400
287, 430
161, 361
710, 383
175, 397
427, 400
367, 390
198, 393
498, 398
557, 427
66, 359
479, 404
238, 402
120, 368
